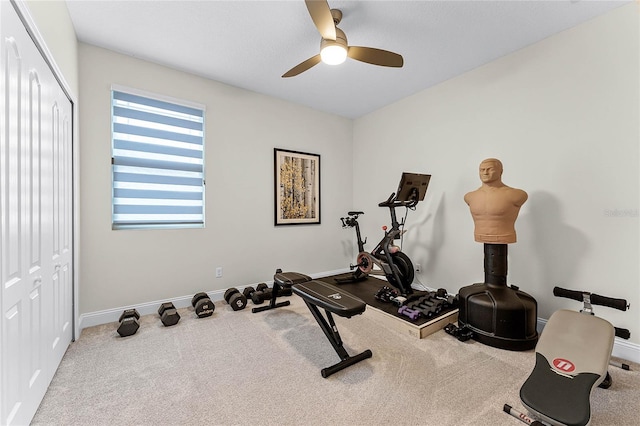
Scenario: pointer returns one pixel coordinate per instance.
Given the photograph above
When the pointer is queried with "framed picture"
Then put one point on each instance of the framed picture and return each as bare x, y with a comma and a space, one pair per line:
297, 187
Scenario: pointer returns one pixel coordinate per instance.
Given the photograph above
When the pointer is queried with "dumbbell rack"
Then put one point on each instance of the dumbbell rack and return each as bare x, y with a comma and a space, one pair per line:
429, 305
405, 326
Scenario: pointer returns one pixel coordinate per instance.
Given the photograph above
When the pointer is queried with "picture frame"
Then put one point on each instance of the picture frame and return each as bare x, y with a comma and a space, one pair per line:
296, 187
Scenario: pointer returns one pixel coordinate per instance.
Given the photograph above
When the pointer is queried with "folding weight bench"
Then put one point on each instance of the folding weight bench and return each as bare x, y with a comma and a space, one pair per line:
572, 359
317, 294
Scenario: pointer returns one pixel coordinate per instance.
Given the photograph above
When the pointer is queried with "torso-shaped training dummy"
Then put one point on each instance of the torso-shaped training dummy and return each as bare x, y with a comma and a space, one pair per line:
494, 206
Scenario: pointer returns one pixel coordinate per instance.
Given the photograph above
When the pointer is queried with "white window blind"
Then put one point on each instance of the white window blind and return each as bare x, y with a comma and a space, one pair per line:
157, 162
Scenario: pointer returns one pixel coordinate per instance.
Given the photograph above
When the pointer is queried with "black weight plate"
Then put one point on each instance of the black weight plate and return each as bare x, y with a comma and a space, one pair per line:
261, 287
198, 296
229, 293
128, 326
129, 313
164, 307
257, 297
248, 291
238, 301
204, 308
170, 317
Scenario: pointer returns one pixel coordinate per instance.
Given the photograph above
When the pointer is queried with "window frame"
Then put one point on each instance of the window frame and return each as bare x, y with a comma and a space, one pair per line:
150, 224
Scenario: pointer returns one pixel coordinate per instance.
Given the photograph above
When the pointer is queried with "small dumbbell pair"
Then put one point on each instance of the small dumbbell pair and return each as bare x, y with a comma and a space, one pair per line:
238, 301
129, 323
412, 314
201, 303
258, 295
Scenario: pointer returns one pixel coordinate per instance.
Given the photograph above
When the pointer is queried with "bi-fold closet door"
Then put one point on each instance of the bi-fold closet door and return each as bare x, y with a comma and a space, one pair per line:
36, 271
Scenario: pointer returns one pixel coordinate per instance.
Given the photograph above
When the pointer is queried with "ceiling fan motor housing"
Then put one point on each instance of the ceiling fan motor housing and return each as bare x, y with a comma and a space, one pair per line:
336, 14
341, 40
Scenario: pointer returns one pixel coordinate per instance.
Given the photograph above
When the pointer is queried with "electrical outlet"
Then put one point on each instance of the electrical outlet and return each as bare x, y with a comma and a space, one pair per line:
418, 267
219, 272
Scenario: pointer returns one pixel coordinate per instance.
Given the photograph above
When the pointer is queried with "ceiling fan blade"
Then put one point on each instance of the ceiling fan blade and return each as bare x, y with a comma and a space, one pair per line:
374, 56
321, 15
302, 67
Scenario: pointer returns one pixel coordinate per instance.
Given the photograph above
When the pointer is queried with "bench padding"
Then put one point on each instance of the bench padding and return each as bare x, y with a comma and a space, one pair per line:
330, 298
287, 279
568, 367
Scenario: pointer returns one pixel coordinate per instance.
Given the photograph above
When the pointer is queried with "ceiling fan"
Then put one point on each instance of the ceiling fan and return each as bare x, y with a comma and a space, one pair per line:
333, 46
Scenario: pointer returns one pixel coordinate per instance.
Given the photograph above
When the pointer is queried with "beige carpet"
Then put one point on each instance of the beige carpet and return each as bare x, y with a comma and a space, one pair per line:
240, 368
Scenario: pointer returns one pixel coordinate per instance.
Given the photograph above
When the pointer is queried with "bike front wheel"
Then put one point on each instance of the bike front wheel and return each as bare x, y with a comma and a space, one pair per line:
405, 271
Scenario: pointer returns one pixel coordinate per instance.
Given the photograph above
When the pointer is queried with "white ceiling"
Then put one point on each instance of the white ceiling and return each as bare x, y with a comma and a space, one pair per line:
250, 44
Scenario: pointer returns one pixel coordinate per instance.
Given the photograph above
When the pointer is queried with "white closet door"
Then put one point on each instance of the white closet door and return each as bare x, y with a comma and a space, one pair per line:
35, 222
58, 212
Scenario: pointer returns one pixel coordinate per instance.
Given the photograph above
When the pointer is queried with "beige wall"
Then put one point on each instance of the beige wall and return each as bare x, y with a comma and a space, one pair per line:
55, 26
127, 267
563, 116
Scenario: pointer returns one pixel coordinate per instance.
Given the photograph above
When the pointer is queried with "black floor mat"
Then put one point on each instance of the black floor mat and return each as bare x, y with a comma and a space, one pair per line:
366, 290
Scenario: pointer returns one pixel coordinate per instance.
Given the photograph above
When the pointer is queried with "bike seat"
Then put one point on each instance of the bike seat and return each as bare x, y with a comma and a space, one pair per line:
354, 213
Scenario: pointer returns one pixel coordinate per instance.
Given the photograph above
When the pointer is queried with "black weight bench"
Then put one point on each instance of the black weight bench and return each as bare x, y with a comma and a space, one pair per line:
317, 294
281, 282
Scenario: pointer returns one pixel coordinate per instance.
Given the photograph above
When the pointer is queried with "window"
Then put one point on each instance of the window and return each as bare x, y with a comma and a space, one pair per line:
157, 162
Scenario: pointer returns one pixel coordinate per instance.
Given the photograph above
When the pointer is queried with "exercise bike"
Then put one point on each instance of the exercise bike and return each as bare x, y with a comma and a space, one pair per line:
386, 258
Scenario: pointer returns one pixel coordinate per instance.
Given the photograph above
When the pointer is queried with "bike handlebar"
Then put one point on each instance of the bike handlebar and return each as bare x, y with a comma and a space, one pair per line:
388, 202
392, 202
596, 299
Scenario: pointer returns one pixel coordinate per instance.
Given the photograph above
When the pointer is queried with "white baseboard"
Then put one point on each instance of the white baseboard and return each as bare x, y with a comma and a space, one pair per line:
112, 315
621, 348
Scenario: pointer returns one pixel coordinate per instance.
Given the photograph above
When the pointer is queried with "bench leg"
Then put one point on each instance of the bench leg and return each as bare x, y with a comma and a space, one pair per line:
272, 303
328, 325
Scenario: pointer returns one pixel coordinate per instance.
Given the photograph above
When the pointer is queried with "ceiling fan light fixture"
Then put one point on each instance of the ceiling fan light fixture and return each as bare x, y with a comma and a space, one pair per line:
333, 53
334, 47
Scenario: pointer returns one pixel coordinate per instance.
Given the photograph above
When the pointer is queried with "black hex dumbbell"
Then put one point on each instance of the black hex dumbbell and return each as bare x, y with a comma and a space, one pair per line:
128, 322
427, 306
261, 294
203, 305
168, 314
250, 291
235, 299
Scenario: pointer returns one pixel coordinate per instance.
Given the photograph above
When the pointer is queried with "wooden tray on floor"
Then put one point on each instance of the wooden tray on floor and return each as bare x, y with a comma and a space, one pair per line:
386, 313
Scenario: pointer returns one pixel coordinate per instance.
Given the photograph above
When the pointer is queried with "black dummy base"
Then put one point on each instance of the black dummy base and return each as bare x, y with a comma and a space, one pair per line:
499, 315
